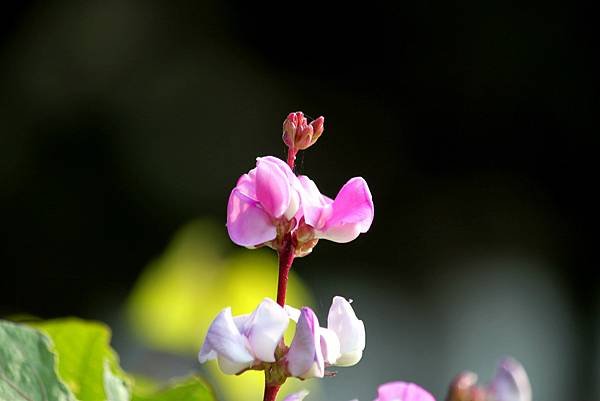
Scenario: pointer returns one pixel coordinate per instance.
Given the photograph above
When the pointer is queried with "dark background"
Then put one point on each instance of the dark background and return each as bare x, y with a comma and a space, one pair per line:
472, 122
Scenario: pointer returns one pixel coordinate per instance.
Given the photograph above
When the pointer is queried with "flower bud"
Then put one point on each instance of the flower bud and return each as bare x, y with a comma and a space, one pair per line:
298, 134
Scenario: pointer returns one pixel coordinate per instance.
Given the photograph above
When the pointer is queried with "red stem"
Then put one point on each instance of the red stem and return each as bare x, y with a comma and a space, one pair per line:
286, 258
291, 157
271, 391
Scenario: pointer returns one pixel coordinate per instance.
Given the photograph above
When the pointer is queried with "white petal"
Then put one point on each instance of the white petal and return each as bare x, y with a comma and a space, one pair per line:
511, 382
349, 329
264, 329
224, 339
330, 346
293, 313
231, 368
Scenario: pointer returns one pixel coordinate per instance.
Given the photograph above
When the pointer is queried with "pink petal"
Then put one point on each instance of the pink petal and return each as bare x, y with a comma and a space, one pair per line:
402, 391
272, 187
352, 213
247, 184
304, 357
315, 206
247, 223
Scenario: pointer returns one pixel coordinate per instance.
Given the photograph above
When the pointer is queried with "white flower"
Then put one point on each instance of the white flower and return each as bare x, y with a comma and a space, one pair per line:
240, 342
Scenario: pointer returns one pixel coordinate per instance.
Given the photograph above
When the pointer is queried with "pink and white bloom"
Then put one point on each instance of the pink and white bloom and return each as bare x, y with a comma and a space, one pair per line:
511, 382
315, 348
341, 219
240, 342
402, 391
262, 199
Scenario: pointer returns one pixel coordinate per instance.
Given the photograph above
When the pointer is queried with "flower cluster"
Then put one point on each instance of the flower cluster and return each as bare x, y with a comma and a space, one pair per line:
270, 201
255, 341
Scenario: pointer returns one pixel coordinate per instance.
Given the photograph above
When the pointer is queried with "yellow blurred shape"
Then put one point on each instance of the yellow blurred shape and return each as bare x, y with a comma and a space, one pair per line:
179, 294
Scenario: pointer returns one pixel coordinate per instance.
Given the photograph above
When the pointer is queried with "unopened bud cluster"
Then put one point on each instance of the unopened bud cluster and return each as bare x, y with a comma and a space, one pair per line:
298, 134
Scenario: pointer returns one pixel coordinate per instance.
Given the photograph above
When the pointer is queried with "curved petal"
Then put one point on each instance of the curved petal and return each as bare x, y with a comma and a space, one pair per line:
511, 382
304, 358
264, 329
225, 340
352, 212
247, 184
330, 346
231, 368
349, 329
248, 224
272, 187
402, 391
316, 207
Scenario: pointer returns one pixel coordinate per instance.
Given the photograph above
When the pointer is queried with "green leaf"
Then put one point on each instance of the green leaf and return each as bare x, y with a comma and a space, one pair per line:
28, 367
190, 389
86, 362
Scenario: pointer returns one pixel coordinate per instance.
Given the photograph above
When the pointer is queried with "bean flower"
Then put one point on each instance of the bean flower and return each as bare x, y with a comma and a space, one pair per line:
252, 341
271, 201
393, 391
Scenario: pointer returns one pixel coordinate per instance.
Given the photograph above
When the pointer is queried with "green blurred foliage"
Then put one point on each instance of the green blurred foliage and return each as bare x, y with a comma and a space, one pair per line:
192, 389
86, 363
27, 366
180, 293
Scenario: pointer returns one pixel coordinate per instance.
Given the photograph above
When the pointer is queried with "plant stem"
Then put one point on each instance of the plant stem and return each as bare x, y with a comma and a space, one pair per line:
291, 157
286, 258
271, 391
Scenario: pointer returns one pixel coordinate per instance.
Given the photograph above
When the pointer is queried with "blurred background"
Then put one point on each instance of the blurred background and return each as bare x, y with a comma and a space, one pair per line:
124, 124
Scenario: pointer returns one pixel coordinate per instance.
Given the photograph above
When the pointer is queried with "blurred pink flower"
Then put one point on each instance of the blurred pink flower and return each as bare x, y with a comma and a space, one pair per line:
402, 391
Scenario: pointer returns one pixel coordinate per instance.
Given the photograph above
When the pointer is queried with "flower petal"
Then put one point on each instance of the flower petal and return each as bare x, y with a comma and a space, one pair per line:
299, 396
330, 346
349, 329
316, 207
352, 212
402, 391
511, 382
225, 340
272, 187
247, 223
293, 313
304, 358
264, 329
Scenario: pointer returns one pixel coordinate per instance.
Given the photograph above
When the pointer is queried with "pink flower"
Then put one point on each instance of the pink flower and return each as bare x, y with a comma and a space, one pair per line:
341, 219
262, 200
240, 342
270, 201
402, 391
